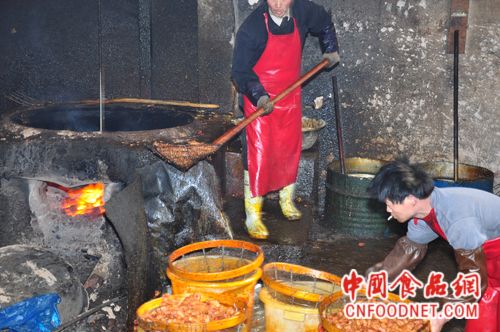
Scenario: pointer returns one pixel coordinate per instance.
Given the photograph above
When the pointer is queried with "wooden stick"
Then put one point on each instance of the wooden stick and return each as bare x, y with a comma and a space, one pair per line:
236, 129
154, 101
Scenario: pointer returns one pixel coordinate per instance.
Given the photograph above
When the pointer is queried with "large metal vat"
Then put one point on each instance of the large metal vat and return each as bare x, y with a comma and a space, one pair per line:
468, 176
127, 120
348, 207
117, 117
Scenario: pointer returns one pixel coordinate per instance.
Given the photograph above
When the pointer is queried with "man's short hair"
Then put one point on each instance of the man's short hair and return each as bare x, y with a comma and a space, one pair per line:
398, 179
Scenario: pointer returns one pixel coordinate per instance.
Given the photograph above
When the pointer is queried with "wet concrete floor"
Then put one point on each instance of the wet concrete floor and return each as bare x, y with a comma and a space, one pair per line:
310, 243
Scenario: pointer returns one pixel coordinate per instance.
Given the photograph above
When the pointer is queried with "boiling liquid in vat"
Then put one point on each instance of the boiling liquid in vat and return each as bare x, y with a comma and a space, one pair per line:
361, 175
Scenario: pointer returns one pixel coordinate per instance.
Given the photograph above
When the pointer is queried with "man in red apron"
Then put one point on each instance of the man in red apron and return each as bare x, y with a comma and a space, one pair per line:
266, 60
469, 219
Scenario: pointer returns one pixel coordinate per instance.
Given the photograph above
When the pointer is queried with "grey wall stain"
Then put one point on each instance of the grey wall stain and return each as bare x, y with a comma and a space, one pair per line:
395, 79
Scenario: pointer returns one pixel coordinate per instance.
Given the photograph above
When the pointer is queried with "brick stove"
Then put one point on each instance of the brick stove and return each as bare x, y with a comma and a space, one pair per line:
150, 207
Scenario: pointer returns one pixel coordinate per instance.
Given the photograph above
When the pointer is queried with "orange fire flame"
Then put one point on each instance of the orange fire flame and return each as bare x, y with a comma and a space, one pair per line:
87, 200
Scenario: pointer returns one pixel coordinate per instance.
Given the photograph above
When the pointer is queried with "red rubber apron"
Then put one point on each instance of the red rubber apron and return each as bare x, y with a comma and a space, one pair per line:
274, 141
489, 305
431, 221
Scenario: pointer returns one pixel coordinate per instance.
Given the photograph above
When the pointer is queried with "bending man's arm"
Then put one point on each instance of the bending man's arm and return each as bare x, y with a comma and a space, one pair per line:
406, 254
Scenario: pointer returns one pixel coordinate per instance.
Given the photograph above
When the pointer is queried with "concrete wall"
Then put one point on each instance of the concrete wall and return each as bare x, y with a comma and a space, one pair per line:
398, 82
50, 49
396, 79
174, 50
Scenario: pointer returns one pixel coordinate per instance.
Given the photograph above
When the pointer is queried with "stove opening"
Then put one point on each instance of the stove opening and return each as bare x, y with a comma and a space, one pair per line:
86, 200
116, 118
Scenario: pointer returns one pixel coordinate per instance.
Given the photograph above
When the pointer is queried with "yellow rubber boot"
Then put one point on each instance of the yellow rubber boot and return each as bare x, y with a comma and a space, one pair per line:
287, 204
253, 208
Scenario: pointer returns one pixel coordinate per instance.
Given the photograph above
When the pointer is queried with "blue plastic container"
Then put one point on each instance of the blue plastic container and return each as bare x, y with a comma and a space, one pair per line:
468, 175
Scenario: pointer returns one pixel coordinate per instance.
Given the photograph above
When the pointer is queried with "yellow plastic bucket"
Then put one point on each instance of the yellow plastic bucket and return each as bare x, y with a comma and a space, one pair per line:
242, 287
299, 282
335, 303
217, 266
281, 316
215, 260
229, 324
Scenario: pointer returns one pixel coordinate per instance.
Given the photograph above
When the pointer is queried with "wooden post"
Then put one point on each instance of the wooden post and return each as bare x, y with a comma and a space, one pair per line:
459, 15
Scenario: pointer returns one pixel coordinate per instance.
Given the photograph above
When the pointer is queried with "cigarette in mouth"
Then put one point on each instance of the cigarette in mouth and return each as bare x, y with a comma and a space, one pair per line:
389, 218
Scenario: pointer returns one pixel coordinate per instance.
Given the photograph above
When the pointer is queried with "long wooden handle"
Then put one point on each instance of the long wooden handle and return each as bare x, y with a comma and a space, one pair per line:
236, 129
154, 102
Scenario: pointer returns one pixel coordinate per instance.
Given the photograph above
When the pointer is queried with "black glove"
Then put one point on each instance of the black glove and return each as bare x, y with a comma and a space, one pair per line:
266, 104
406, 254
333, 58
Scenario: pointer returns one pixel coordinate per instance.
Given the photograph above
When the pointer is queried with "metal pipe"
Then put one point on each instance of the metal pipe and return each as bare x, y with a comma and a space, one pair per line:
89, 312
338, 123
455, 105
146, 47
101, 71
